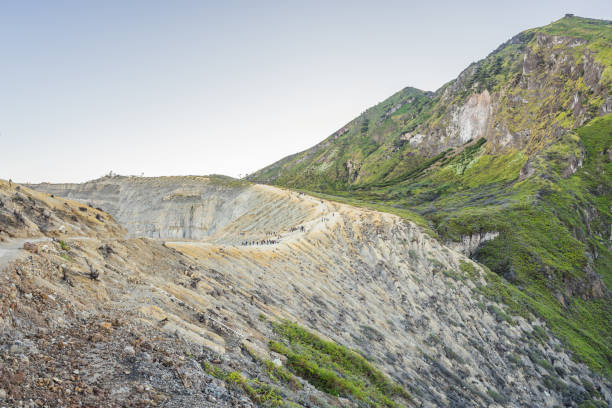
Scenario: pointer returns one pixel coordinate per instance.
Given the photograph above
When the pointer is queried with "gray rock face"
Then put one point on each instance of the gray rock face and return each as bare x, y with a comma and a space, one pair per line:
164, 207
469, 243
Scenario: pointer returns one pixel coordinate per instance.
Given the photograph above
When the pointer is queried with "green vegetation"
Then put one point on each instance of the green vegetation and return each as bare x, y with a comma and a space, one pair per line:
375, 149
66, 257
373, 141
540, 334
548, 225
497, 397
258, 392
469, 270
64, 245
499, 314
335, 369
544, 197
598, 33
226, 181
276, 373
515, 359
401, 212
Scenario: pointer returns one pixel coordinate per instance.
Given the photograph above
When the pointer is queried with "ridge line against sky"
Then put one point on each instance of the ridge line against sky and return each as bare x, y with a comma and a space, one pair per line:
193, 87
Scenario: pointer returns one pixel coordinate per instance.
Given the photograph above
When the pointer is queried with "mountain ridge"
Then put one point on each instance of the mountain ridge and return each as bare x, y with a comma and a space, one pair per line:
509, 162
480, 76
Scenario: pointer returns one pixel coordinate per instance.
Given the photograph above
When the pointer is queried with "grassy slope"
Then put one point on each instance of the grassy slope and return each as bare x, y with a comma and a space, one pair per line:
546, 238
552, 241
330, 367
335, 369
369, 141
553, 229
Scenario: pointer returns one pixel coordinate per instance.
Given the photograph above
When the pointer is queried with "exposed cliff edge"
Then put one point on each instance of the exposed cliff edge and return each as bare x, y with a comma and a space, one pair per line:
185, 207
470, 243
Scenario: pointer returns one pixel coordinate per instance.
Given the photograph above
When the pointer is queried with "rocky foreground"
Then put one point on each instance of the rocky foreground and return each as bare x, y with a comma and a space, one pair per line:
275, 280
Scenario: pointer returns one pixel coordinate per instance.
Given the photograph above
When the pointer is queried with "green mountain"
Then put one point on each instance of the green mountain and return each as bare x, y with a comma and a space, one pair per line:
510, 163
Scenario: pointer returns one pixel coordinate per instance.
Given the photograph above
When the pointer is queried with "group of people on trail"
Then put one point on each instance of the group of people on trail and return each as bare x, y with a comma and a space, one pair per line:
261, 242
270, 241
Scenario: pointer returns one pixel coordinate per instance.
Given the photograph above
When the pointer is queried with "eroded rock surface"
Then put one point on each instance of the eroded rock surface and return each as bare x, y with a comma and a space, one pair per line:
159, 312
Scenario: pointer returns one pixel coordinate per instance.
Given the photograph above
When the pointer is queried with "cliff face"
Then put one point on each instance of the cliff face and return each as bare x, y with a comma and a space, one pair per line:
167, 207
428, 317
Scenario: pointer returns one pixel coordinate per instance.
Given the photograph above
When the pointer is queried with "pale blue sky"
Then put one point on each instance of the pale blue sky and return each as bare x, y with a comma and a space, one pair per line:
196, 87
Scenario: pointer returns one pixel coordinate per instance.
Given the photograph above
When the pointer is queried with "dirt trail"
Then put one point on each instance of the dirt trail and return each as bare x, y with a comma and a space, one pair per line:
11, 250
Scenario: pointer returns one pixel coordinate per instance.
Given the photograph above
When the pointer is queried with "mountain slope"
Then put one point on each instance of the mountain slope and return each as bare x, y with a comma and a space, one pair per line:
421, 315
507, 164
530, 90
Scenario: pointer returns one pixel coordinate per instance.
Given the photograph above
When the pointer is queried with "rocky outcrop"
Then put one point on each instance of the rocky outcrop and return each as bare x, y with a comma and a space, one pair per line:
469, 121
470, 243
352, 168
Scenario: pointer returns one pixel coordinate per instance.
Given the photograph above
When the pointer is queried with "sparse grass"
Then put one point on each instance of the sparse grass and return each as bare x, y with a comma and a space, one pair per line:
450, 353
540, 333
543, 237
469, 269
597, 32
259, 392
500, 315
64, 245
276, 373
454, 275
335, 369
401, 212
515, 359
227, 181
497, 397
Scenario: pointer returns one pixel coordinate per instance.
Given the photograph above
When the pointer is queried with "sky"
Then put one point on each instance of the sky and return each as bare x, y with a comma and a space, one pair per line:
222, 87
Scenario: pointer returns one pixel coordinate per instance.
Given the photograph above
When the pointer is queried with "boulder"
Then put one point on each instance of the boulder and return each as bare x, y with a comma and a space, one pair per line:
30, 247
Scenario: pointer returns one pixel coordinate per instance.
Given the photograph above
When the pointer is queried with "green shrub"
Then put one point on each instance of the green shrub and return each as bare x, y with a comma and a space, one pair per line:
515, 358
540, 333
499, 314
469, 269
276, 373
64, 245
497, 397
259, 392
